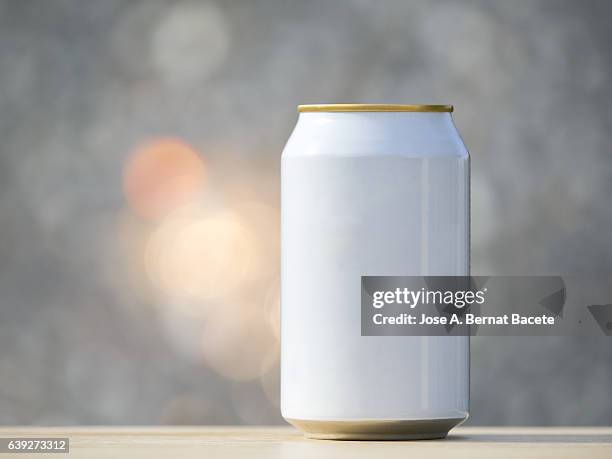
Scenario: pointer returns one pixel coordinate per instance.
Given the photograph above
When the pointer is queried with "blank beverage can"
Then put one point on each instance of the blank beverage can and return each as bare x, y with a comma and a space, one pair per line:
370, 190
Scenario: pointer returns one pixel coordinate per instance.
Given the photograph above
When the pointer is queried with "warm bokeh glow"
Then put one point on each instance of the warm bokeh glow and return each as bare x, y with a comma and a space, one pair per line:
237, 342
162, 175
199, 256
264, 222
127, 246
272, 307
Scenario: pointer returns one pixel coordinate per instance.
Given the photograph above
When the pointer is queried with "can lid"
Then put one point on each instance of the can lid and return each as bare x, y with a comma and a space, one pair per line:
374, 108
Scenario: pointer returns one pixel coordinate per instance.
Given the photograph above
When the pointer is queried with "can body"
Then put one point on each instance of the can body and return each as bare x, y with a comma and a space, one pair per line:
379, 194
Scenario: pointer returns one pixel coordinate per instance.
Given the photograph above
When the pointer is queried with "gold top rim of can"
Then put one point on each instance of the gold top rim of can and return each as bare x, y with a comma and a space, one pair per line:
374, 108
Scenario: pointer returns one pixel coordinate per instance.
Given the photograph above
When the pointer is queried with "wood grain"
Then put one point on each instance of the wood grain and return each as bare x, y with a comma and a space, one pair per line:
285, 442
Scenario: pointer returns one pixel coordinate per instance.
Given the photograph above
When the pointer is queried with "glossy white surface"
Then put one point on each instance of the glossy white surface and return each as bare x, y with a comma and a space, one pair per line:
369, 194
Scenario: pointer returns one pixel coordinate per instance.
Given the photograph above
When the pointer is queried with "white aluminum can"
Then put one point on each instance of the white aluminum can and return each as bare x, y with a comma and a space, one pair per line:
370, 190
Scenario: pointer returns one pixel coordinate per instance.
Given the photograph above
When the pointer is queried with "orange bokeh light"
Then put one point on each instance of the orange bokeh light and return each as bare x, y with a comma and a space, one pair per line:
161, 175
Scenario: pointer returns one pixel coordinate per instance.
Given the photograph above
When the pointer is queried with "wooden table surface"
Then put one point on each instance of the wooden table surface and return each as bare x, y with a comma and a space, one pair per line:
281, 442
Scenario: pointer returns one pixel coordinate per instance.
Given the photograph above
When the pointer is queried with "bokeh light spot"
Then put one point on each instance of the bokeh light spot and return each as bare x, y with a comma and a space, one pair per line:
190, 43
237, 342
200, 257
162, 175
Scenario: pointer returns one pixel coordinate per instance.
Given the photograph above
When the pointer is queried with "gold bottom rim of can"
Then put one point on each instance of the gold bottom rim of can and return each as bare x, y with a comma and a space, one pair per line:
422, 429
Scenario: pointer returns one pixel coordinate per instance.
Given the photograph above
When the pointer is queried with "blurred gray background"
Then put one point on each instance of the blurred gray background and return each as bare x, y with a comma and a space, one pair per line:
139, 166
